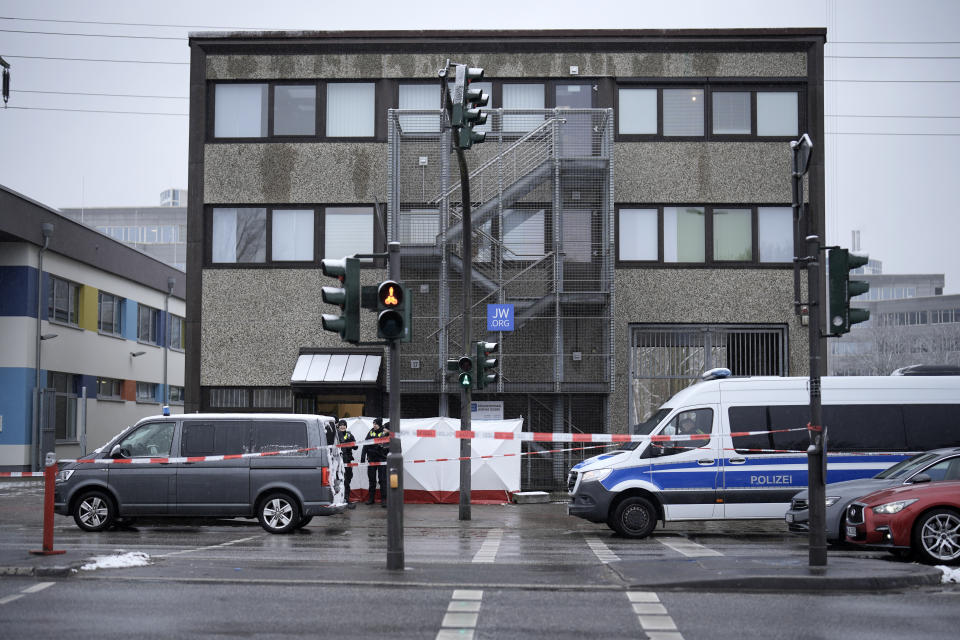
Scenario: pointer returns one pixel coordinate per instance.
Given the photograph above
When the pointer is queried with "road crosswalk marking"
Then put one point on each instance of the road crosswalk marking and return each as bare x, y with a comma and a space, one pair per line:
688, 547
461, 618
602, 551
653, 616
40, 586
489, 548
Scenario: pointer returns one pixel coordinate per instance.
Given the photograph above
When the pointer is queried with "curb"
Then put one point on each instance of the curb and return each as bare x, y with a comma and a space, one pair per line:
38, 572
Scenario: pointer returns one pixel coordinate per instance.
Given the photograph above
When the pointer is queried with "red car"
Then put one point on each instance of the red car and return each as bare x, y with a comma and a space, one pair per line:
922, 518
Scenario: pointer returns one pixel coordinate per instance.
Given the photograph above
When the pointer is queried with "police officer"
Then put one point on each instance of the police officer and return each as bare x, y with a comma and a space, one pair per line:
345, 436
376, 453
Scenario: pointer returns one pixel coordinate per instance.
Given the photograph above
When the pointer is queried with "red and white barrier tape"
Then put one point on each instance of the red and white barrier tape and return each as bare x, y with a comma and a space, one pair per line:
21, 474
485, 457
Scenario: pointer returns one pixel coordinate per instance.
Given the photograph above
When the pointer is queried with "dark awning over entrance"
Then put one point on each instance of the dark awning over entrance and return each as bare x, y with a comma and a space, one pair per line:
336, 368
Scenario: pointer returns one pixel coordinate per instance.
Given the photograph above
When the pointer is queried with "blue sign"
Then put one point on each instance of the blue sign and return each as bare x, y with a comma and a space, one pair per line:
499, 317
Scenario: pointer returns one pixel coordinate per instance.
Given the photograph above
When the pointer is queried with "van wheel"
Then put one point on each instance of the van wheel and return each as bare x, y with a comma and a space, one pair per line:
304, 521
94, 511
634, 517
278, 513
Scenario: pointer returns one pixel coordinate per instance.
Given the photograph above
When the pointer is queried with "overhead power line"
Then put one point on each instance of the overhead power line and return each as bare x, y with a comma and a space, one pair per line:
98, 60
896, 57
106, 95
92, 35
137, 113
134, 24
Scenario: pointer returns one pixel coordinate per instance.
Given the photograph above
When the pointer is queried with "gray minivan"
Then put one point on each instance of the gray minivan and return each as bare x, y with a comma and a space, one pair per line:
283, 492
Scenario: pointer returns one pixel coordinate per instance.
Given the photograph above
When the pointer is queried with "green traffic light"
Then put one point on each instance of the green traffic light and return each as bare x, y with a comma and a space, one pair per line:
840, 289
465, 380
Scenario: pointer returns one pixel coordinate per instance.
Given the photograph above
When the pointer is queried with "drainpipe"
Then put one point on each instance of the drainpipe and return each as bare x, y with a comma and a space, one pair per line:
171, 281
46, 230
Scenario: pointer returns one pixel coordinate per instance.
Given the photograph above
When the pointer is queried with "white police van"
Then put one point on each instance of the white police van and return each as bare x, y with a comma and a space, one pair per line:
872, 423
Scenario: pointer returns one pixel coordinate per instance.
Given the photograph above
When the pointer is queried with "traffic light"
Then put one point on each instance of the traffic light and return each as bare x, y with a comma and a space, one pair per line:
347, 297
463, 365
485, 363
467, 105
392, 304
840, 288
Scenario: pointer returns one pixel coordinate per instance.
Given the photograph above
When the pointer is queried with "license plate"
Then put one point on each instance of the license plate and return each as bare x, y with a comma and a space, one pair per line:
788, 517
852, 532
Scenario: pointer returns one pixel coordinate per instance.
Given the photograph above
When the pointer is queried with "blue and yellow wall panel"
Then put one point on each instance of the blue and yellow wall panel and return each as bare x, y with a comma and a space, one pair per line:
88, 308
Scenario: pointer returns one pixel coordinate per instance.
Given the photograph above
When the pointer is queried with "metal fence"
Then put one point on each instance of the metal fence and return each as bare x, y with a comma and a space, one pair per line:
665, 359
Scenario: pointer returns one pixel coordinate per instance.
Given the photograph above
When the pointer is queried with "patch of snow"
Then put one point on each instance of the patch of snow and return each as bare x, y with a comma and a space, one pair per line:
950, 574
129, 559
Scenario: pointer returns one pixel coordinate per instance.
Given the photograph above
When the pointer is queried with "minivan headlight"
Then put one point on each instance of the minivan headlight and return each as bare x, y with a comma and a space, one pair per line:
832, 500
597, 475
894, 507
63, 476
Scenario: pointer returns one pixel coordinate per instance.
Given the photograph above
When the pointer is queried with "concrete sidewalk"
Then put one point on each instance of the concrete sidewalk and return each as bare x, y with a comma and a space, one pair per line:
780, 563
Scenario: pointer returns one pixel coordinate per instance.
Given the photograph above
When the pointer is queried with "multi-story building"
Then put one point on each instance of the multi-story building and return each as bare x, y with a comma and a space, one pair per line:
91, 335
160, 232
911, 322
632, 202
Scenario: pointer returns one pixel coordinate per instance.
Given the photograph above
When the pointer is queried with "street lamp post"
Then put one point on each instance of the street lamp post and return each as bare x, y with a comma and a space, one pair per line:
46, 231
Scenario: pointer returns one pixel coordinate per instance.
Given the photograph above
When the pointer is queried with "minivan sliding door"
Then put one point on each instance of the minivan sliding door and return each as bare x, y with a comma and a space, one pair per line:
214, 488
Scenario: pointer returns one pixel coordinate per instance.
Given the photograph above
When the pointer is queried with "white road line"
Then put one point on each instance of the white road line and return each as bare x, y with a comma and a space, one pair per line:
488, 550
213, 546
653, 616
461, 618
689, 548
40, 586
602, 551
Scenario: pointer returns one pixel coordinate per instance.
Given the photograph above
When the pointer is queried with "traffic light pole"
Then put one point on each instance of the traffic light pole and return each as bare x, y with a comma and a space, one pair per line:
395, 455
465, 395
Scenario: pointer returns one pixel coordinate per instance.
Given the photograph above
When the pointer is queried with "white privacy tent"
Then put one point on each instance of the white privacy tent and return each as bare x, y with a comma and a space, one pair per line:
492, 479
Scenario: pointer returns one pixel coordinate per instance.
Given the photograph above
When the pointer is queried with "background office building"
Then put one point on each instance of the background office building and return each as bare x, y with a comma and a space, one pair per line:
103, 340
631, 202
160, 232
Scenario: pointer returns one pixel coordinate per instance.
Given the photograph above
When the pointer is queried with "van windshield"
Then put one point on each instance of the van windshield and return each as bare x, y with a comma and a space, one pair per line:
646, 427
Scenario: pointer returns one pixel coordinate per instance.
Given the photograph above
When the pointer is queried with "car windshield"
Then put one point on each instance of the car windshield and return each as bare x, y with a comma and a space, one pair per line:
646, 427
905, 467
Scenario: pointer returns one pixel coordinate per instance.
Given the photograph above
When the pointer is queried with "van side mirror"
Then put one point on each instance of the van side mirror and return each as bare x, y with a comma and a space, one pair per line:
119, 452
920, 478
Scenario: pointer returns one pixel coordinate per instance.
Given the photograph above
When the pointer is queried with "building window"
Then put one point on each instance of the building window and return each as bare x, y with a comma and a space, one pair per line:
684, 233
65, 404
351, 109
683, 112
64, 302
420, 97
731, 112
637, 111
347, 230
176, 332
732, 235
295, 110
638, 235
240, 110
704, 234
239, 235
229, 398
777, 113
522, 96
176, 395
108, 388
292, 231
278, 398
524, 234
110, 309
148, 324
146, 392
775, 234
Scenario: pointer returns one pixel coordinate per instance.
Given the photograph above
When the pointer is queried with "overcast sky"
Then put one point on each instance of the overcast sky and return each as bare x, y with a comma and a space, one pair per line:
892, 90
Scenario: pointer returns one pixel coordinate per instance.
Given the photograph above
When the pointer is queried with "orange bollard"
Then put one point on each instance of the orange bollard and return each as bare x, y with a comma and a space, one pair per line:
49, 480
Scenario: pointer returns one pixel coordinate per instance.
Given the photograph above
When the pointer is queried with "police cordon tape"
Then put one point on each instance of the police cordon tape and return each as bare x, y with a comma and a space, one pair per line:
523, 436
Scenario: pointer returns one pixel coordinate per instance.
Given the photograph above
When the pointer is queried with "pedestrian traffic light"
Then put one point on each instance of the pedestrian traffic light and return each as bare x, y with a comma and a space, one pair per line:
391, 303
467, 103
840, 289
485, 364
464, 366
347, 297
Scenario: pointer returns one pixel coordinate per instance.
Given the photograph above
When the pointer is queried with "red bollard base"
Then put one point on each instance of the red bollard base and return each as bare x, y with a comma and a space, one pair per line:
46, 552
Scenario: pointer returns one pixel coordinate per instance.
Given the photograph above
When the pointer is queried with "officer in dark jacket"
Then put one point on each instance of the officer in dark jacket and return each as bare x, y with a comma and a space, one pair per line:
376, 453
346, 437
